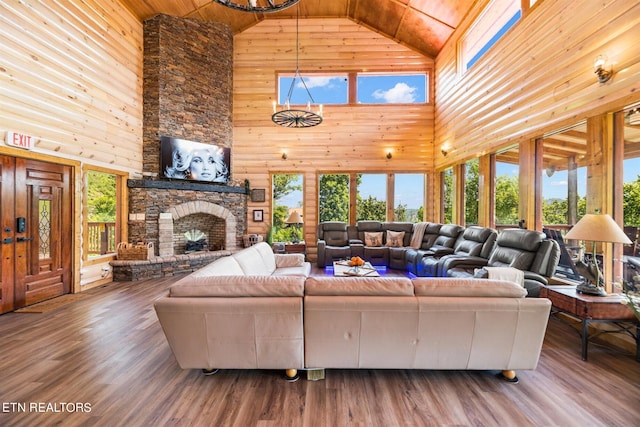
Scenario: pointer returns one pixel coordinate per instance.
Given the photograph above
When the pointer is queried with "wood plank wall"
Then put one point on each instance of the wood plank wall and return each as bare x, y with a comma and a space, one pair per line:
351, 137
538, 77
71, 76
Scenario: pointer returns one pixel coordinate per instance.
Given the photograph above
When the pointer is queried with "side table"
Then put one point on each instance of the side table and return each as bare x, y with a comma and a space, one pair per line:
589, 309
295, 248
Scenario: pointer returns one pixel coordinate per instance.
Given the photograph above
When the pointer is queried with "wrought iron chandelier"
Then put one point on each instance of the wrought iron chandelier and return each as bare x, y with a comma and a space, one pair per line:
297, 118
263, 6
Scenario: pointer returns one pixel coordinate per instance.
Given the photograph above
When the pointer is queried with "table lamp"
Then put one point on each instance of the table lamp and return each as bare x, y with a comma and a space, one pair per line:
295, 220
595, 228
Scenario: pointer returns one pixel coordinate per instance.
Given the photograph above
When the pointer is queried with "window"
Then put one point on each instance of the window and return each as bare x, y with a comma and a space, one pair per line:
325, 89
102, 224
564, 176
494, 21
408, 197
372, 195
286, 190
333, 197
392, 88
507, 188
448, 195
371, 200
631, 182
471, 195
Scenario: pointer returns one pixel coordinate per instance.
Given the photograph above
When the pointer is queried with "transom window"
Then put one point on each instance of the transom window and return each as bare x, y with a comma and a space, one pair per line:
494, 21
370, 88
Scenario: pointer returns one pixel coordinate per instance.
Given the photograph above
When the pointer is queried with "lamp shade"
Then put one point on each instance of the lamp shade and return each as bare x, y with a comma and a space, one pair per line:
294, 218
597, 228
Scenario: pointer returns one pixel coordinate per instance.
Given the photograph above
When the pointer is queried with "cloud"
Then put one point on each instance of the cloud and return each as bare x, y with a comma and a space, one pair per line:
559, 183
316, 81
399, 94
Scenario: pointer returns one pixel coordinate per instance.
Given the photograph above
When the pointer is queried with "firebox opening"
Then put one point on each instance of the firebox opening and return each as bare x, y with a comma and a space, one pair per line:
211, 227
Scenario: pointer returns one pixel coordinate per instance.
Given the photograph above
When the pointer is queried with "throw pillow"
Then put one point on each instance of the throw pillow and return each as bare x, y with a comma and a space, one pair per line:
373, 239
289, 260
395, 239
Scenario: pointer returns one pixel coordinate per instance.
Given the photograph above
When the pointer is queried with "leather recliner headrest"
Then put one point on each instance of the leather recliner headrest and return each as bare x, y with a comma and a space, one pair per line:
528, 240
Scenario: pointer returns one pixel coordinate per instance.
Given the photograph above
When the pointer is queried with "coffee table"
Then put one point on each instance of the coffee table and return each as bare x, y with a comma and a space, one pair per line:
343, 269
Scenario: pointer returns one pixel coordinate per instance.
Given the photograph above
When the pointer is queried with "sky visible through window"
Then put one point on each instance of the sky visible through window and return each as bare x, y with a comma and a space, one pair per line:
371, 89
555, 186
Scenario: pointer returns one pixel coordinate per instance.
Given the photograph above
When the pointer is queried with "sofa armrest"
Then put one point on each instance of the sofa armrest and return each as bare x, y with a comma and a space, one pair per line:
466, 263
321, 246
439, 251
528, 275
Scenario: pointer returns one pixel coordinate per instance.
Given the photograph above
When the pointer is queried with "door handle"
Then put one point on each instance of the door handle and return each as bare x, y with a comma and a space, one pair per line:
7, 240
23, 239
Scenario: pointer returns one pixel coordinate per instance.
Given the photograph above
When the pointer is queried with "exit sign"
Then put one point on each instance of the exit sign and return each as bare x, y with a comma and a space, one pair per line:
19, 140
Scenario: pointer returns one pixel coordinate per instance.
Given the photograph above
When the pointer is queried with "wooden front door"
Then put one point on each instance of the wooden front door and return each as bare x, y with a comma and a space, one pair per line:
36, 220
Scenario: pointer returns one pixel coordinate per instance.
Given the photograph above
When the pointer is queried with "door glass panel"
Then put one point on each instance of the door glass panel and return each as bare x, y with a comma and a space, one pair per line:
44, 228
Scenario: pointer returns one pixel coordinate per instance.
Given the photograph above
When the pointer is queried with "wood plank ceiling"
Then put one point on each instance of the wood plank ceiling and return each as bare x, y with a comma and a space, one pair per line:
422, 25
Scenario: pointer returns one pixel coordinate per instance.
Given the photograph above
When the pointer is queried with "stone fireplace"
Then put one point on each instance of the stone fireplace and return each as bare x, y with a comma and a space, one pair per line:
211, 219
188, 84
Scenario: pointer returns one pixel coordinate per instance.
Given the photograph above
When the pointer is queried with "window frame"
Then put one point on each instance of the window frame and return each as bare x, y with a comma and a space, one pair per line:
121, 213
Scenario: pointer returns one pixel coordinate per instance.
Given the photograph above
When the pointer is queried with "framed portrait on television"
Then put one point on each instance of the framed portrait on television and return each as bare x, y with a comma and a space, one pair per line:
194, 161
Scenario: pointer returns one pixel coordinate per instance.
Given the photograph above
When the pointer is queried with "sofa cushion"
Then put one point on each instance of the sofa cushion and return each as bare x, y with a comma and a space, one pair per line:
289, 260
358, 286
463, 287
301, 270
225, 266
373, 239
238, 286
258, 260
395, 239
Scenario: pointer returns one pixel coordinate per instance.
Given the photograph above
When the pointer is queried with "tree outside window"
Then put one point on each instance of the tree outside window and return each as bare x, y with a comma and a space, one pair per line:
287, 197
333, 197
101, 235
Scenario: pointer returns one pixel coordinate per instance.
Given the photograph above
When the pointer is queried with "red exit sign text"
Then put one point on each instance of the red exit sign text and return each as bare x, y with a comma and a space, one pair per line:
19, 140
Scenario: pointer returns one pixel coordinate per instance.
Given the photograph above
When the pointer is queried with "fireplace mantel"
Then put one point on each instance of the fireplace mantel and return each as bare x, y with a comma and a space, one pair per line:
186, 185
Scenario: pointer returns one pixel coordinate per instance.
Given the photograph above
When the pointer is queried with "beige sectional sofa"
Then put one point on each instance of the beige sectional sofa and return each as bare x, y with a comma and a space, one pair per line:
246, 312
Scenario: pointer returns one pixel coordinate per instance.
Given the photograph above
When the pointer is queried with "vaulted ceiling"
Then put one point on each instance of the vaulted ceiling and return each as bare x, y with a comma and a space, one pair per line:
422, 25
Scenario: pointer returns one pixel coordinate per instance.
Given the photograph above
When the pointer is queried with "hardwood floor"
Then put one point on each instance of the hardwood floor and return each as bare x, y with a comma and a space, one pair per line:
106, 353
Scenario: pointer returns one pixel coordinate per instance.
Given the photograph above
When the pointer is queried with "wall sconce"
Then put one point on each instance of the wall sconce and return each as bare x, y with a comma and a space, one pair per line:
284, 155
444, 151
602, 68
389, 154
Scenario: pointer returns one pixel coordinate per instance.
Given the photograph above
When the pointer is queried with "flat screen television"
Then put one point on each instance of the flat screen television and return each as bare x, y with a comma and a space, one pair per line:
194, 161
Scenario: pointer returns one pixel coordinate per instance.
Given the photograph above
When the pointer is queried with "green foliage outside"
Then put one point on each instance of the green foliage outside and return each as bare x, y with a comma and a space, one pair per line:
101, 197
448, 196
507, 200
631, 202
283, 185
471, 194
370, 209
554, 211
333, 197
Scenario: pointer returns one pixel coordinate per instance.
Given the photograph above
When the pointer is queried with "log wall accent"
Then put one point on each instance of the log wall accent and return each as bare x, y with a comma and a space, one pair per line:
539, 77
351, 137
71, 76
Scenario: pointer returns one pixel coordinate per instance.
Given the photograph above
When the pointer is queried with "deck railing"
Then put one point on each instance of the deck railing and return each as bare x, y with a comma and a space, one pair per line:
101, 238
